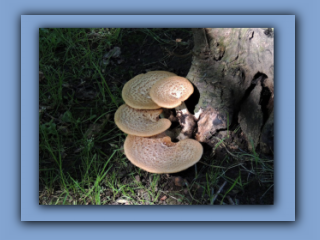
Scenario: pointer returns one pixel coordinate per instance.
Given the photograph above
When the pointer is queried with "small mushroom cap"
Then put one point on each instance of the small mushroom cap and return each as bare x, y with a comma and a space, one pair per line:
171, 92
158, 154
135, 92
137, 122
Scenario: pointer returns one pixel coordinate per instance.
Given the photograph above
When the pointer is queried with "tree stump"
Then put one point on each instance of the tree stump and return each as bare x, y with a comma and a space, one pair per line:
232, 71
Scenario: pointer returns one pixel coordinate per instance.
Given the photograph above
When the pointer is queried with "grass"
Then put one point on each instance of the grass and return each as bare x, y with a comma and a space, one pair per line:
81, 159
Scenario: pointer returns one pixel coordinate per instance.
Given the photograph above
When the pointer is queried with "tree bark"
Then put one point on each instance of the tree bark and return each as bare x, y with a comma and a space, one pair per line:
232, 71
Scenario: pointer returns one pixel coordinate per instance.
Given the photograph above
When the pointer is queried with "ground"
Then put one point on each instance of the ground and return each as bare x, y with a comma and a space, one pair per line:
81, 159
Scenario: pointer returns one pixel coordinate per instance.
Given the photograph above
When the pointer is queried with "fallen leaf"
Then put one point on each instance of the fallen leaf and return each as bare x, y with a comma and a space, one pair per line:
163, 198
137, 177
93, 130
78, 150
113, 53
122, 201
179, 181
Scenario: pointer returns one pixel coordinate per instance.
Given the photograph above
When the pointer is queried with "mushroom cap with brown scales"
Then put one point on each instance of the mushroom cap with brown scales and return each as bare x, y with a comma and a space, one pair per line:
158, 154
171, 92
143, 123
135, 92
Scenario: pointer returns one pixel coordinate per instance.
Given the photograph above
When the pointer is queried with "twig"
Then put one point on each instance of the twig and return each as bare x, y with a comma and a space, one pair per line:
210, 165
220, 189
266, 191
53, 118
190, 193
236, 157
230, 200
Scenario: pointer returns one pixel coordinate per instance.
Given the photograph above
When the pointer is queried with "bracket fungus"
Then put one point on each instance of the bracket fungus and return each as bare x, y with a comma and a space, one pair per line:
135, 92
158, 154
144, 123
171, 92
147, 146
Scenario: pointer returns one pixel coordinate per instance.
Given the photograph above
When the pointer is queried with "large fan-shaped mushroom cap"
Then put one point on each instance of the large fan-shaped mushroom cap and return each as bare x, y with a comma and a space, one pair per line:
171, 92
135, 92
137, 122
158, 154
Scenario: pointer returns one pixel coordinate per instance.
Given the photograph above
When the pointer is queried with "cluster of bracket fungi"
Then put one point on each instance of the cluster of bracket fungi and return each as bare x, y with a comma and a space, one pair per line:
147, 145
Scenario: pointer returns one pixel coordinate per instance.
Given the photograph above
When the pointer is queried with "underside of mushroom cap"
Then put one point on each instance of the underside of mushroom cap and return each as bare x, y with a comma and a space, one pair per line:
137, 122
135, 92
171, 92
158, 154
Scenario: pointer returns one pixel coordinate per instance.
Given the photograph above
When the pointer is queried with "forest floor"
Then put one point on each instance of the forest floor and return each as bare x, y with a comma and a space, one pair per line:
81, 158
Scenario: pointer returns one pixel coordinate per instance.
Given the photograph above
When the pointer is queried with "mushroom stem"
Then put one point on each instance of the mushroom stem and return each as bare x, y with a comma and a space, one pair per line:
186, 120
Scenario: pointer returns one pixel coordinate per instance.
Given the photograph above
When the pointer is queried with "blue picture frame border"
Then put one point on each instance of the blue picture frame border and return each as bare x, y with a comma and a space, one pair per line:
284, 205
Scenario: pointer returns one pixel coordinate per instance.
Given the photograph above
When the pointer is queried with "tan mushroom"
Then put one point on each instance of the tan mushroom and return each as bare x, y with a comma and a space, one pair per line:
158, 154
135, 92
137, 122
170, 92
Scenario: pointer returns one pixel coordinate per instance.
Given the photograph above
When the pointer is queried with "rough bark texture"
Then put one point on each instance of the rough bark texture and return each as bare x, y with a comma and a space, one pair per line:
232, 70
